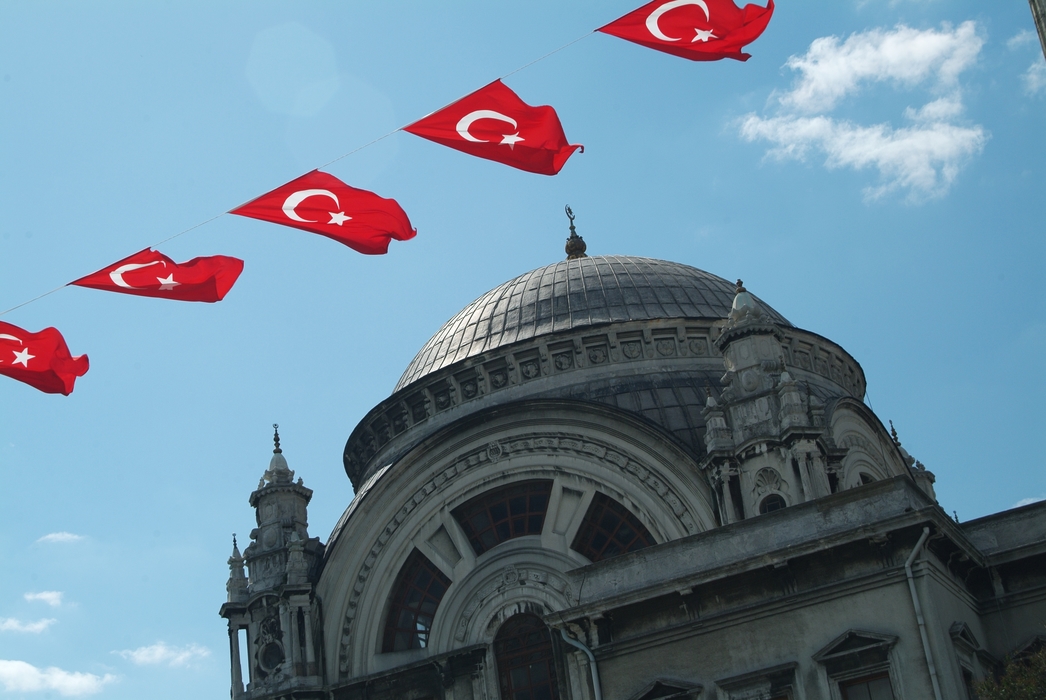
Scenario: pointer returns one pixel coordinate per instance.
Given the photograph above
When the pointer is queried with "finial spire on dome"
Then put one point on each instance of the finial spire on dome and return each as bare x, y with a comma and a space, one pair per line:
575, 247
276, 439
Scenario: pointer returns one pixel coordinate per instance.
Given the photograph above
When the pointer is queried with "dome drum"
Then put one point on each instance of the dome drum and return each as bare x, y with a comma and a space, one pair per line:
659, 369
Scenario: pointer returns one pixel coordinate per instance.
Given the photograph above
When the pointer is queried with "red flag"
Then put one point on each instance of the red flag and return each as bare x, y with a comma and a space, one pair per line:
493, 123
41, 360
361, 220
150, 273
701, 30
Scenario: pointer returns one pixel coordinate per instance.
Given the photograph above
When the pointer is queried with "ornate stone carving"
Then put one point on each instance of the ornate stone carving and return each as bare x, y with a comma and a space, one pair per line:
698, 346
442, 399
563, 361
529, 369
632, 349
767, 480
498, 378
469, 388
597, 355
507, 578
666, 347
544, 443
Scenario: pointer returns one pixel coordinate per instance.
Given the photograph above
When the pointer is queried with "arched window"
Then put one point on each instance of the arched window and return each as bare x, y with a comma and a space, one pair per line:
502, 514
526, 670
609, 529
771, 503
416, 596
866, 479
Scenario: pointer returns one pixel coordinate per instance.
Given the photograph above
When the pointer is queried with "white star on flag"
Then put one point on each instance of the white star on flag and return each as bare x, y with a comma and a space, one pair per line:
511, 140
22, 357
167, 283
338, 218
703, 35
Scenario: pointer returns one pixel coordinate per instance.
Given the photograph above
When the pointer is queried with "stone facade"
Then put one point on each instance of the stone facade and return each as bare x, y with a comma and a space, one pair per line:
713, 513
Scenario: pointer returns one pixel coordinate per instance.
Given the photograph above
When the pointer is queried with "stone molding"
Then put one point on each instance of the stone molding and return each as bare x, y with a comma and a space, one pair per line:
566, 354
562, 444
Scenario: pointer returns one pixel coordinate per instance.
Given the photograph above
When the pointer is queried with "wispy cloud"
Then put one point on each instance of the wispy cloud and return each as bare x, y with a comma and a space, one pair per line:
52, 598
61, 537
9, 624
1035, 77
18, 676
1020, 39
923, 157
162, 654
1029, 501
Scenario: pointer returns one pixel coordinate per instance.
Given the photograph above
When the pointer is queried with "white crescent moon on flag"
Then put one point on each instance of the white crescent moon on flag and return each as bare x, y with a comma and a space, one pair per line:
117, 275
466, 122
298, 197
11, 337
651, 21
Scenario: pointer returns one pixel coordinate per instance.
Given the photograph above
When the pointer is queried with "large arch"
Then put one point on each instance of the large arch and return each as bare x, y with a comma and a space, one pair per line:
582, 448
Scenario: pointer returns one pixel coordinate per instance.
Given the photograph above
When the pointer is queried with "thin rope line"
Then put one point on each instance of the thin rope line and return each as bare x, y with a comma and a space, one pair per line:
33, 299
330, 162
536, 60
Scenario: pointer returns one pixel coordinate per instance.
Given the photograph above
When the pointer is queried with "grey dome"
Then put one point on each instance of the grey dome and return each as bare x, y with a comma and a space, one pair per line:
574, 294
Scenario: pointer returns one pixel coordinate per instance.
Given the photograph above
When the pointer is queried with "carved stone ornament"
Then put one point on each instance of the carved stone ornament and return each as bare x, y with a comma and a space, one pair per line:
666, 347
564, 361
508, 578
530, 369
597, 355
498, 378
632, 349
767, 480
545, 444
698, 346
469, 388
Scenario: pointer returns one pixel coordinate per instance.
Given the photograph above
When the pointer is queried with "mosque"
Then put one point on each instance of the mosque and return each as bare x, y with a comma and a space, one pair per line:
626, 479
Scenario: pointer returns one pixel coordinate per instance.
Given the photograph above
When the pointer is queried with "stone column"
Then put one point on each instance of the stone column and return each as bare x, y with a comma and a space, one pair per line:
311, 668
234, 654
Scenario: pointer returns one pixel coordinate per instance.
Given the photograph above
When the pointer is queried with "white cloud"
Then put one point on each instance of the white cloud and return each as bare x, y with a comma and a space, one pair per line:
52, 598
924, 157
1035, 77
831, 70
9, 624
1029, 501
1020, 39
61, 537
18, 676
160, 653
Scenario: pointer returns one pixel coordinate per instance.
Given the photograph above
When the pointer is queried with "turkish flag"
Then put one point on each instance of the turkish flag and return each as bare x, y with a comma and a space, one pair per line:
150, 273
493, 123
701, 30
323, 204
41, 360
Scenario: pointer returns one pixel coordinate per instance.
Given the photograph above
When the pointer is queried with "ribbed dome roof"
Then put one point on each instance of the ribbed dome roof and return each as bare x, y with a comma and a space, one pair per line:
575, 294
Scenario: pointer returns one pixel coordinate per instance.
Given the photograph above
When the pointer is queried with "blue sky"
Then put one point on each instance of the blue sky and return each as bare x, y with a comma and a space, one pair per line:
875, 172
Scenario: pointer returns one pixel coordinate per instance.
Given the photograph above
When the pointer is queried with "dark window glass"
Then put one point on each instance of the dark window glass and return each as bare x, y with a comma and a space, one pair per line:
502, 514
523, 649
865, 479
609, 529
417, 593
771, 503
868, 688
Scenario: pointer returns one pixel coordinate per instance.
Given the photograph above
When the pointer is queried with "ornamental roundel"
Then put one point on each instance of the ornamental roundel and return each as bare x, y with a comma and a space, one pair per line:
632, 349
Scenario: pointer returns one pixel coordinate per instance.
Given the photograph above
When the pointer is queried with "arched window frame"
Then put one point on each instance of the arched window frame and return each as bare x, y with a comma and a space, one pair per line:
605, 528
504, 513
416, 596
772, 502
536, 676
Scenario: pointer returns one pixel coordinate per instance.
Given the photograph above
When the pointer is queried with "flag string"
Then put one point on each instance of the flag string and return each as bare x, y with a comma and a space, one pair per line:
328, 163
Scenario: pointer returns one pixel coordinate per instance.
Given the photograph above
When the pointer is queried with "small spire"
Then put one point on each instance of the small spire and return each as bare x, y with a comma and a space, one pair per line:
893, 435
575, 247
235, 548
276, 438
